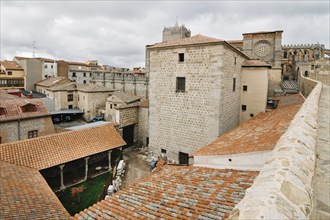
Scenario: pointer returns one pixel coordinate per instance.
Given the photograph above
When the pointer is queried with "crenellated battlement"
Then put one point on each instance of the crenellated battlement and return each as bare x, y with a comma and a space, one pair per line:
303, 46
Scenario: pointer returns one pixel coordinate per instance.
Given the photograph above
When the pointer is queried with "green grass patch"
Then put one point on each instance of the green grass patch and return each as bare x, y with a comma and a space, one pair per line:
90, 195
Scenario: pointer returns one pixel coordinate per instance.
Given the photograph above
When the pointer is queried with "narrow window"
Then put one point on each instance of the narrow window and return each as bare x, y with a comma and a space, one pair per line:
52, 66
84, 74
183, 158
110, 106
181, 57
234, 84
70, 97
73, 74
70, 107
285, 55
180, 84
33, 134
306, 73
244, 87
147, 141
90, 74
45, 66
243, 108
235, 61
163, 151
84, 81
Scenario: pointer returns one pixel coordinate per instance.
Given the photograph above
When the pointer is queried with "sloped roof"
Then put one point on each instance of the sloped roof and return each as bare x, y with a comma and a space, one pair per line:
69, 86
26, 195
144, 103
257, 134
196, 39
51, 81
51, 150
176, 192
126, 97
12, 107
11, 65
91, 87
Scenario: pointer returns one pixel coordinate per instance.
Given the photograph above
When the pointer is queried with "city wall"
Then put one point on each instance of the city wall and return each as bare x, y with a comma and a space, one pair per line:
283, 189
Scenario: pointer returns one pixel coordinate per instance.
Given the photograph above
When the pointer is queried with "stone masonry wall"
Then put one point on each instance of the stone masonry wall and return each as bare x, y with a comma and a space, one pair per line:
283, 188
306, 85
186, 121
10, 131
128, 116
143, 128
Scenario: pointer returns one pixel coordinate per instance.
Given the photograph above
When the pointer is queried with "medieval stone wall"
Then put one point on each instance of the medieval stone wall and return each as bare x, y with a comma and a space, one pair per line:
18, 130
143, 126
132, 84
284, 187
306, 85
186, 121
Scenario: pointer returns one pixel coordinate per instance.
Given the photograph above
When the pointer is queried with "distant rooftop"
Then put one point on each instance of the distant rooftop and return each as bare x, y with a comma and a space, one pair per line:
89, 125
256, 63
126, 97
51, 81
10, 65
13, 107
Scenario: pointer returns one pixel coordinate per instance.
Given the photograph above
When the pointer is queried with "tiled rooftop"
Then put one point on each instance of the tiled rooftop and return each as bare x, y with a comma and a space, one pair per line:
48, 151
24, 194
10, 65
257, 134
196, 39
126, 97
93, 88
51, 81
144, 103
10, 106
176, 193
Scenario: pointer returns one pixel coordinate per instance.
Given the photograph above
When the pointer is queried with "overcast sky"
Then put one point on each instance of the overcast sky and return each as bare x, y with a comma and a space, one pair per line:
116, 32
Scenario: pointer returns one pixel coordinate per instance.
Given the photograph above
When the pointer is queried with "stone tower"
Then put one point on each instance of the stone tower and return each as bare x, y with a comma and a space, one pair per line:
175, 33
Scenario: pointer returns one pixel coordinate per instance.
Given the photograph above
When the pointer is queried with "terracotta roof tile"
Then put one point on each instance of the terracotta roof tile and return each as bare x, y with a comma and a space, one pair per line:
51, 81
176, 193
26, 195
11, 65
11, 107
196, 39
257, 134
48, 151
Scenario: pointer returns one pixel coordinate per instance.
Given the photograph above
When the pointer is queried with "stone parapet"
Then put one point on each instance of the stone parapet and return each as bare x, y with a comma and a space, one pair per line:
284, 187
306, 85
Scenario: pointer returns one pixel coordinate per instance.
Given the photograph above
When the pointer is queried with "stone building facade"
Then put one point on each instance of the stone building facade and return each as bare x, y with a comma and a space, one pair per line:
12, 75
194, 93
266, 46
22, 118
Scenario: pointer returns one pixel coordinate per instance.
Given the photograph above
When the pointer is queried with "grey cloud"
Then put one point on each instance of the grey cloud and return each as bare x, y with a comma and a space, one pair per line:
116, 32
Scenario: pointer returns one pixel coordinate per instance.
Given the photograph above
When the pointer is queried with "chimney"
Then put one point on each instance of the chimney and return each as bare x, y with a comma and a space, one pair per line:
30, 95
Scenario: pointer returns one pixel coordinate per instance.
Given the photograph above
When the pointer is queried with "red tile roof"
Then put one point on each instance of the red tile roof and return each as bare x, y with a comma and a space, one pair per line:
26, 195
11, 107
10, 65
196, 39
176, 193
257, 134
51, 150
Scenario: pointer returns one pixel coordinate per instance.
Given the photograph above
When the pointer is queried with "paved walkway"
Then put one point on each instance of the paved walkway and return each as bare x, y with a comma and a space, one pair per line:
322, 181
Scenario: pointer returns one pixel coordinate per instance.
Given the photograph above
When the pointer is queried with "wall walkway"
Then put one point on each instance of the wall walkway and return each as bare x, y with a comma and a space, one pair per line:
284, 189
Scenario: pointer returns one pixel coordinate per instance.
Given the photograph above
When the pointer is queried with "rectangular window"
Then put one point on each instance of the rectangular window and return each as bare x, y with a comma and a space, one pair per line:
70, 97
147, 141
90, 75
181, 57
52, 66
73, 74
183, 158
244, 88
163, 151
110, 106
33, 134
243, 108
180, 84
45, 66
234, 84
10, 73
70, 107
84, 74
235, 61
